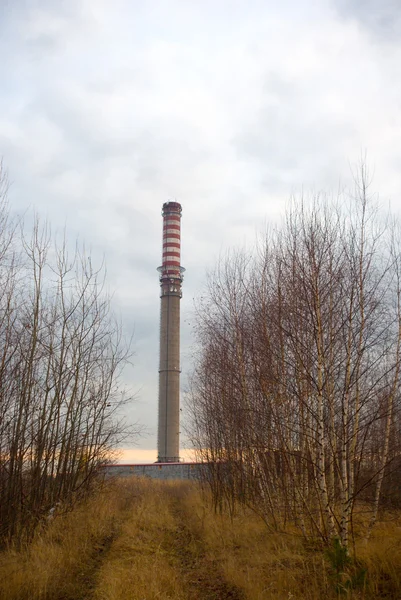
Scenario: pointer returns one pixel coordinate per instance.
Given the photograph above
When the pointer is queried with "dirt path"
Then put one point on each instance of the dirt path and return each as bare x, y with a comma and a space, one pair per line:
83, 587
201, 576
88, 579
179, 541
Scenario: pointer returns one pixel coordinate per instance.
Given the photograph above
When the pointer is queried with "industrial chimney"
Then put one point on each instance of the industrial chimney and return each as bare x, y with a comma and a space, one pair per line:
171, 276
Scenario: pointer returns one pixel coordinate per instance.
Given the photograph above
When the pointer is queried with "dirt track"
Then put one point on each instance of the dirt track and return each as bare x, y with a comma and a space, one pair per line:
202, 578
183, 550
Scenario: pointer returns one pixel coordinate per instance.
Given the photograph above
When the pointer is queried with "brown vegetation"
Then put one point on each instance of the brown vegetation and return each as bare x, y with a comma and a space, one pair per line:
61, 352
296, 394
146, 540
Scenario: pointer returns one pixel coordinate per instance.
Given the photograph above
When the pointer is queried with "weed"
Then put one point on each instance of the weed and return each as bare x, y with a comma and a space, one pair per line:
345, 572
150, 540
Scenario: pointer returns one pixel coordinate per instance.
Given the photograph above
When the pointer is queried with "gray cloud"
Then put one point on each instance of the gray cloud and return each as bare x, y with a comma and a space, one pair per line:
382, 18
109, 109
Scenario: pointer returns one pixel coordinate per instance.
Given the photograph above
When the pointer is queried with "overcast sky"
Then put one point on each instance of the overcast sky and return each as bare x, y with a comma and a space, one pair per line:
108, 108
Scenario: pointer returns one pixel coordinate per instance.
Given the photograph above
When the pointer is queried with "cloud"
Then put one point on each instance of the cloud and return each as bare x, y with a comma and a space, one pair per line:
381, 18
110, 109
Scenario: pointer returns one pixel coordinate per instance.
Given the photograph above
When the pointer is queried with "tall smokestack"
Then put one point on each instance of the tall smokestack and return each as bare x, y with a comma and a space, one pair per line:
171, 276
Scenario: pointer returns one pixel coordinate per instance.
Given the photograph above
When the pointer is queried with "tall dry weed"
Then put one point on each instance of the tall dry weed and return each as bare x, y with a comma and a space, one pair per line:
141, 563
150, 540
55, 563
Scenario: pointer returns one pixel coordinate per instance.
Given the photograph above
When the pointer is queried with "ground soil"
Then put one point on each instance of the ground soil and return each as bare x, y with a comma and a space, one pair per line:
202, 578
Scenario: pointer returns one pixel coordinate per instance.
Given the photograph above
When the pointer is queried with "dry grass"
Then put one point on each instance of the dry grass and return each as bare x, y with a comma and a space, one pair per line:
263, 565
140, 564
61, 555
145, 540
382, 558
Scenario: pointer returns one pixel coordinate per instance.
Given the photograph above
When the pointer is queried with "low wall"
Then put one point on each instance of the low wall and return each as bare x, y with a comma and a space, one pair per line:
156, 470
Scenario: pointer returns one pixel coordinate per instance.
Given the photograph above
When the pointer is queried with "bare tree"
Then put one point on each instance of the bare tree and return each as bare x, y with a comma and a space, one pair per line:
61, 355
295, 393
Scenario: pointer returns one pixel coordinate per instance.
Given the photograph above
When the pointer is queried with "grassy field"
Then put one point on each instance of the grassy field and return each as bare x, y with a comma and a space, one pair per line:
142, 540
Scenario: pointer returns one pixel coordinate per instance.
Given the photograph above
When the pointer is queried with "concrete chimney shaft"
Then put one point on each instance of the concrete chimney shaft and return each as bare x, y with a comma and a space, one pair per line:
171, 276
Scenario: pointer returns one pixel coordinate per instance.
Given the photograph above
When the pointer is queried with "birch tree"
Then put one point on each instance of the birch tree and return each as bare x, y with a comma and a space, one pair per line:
295, 392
